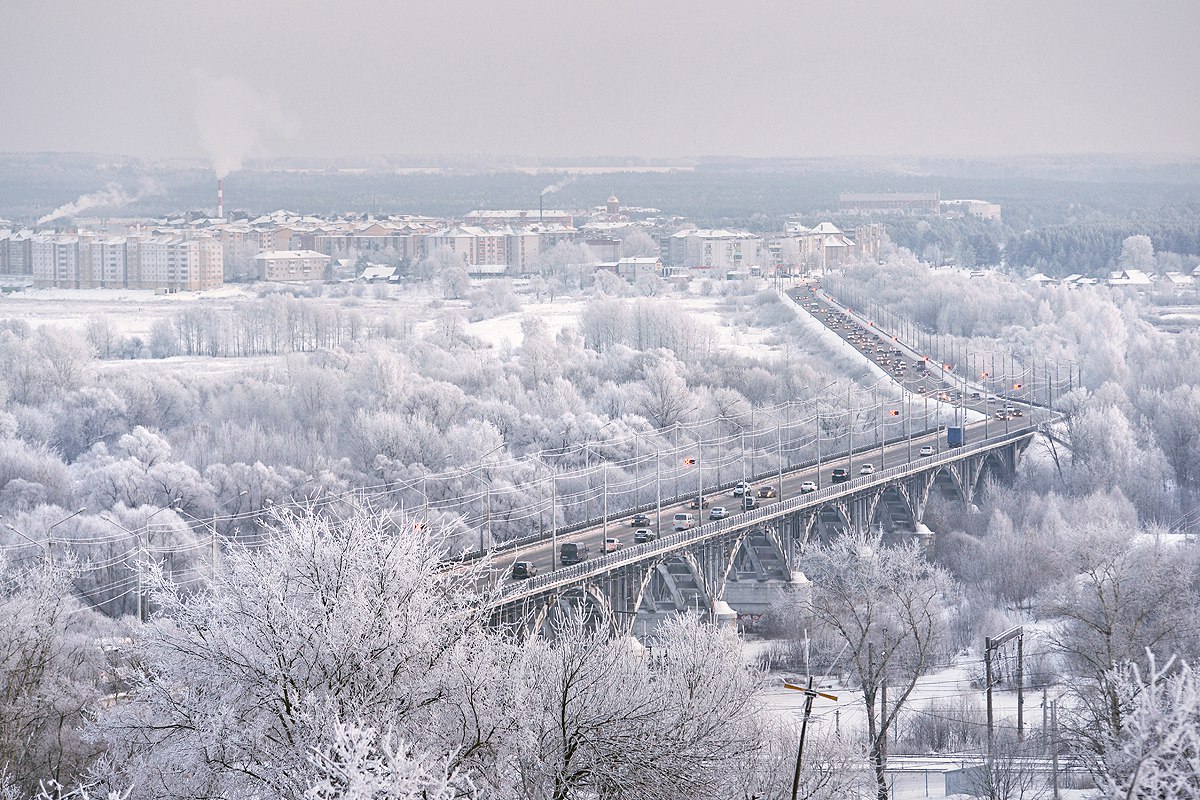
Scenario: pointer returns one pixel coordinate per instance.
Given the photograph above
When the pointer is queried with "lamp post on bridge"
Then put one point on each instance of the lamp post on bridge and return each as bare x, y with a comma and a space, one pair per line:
485, 502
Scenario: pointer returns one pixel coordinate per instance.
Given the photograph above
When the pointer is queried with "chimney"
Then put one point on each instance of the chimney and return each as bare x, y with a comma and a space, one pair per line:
541, 208
220, 199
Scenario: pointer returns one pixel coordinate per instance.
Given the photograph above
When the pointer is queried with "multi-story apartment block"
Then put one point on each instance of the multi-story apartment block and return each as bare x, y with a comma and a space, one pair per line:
476, 246
15, 258
500, 219
292, 265
713, 249
890, 202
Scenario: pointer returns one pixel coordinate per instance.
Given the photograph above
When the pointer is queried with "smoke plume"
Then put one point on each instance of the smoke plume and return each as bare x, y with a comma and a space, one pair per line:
236, 122
111, 196
554, 187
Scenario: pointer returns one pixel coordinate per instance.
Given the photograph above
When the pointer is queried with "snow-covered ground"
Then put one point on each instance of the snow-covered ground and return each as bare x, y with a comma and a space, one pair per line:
919, 776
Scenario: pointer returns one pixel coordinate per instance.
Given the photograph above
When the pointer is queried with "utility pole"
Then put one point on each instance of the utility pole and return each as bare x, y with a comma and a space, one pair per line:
989, 645
810, 694
1054, 744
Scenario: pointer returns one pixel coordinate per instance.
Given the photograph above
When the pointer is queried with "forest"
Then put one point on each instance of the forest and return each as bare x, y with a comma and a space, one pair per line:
224, 568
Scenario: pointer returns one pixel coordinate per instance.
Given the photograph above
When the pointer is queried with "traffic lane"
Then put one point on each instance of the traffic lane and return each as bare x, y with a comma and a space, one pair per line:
543, 554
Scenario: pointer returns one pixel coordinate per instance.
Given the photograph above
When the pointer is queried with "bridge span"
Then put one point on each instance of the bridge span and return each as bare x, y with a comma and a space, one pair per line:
745, 559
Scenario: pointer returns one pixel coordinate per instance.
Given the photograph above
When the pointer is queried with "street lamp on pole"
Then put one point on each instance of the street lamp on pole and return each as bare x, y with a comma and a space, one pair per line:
485, 500
212, 526
47, 548
553, 510
141, 536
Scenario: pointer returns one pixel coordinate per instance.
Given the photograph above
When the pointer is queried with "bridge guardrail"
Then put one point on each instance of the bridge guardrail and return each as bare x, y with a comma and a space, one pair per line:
630, 555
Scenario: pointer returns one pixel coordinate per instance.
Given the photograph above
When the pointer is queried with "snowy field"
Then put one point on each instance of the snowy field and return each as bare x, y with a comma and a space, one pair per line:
133, 312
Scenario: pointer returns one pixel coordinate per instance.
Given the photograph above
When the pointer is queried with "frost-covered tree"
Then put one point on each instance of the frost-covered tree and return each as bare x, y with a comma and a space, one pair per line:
890, 608
362, 764
52, 673
1156, 753
331, 619
600, 721
1137, 252
1122, 595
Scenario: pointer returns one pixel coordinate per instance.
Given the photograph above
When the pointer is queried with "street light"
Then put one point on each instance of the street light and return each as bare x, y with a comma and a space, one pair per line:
143, 601
553, 511
485, 501
48, 547
46, 558
212, 527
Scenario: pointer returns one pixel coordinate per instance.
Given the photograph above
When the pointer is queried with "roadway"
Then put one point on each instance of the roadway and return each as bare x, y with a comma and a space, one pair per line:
874, 345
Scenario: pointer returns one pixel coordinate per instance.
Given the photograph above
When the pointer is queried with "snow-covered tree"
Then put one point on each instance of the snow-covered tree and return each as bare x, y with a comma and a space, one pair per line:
1156, 753
331, 619
890, 608
601, 721
52, 670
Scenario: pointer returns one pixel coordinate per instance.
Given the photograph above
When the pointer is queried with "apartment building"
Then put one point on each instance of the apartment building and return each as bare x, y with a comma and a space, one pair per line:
292, 265
14, 252
713, 249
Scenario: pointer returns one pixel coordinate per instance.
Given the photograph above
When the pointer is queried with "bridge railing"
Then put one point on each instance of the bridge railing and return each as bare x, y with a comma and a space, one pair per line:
564, 576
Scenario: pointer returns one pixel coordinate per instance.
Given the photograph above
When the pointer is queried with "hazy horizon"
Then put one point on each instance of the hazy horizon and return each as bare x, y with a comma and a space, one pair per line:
672, 80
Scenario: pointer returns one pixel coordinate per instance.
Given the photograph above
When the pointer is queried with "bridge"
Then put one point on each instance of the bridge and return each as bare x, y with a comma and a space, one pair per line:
744, 559
737, 565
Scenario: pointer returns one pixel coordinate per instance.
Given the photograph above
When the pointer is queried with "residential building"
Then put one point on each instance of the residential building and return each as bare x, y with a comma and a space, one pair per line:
713, 249
520, 218
292, 265
15, 257
890, 202
974, 208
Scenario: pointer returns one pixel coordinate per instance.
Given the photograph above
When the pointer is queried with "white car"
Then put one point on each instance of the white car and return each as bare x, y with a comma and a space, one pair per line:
741, 488
807, 486
867, 469
927, 450
611, 545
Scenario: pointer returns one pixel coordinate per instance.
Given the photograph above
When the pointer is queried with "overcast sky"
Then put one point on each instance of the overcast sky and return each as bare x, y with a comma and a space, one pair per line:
558, 78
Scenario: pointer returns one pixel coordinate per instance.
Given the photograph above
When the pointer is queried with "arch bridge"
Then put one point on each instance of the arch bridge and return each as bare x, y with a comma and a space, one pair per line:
747, 558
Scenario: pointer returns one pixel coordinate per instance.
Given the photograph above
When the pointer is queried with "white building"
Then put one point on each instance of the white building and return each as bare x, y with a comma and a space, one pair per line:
292, 265
713, 249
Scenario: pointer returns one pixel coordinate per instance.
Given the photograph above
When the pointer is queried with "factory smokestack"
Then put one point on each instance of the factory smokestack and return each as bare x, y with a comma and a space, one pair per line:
220, 200
541, 208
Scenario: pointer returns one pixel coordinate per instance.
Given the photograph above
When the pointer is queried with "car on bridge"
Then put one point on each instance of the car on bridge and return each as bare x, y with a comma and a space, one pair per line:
927, 450
841, 475
718, 512
766, 491
867, 469
523, 570
611, 545
640, 521
740, 488
643, 535
807, 487
749, 502
681, 521
698, 502
572, 553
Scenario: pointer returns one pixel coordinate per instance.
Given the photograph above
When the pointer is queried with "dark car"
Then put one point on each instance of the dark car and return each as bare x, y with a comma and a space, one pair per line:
766, 491
697, 502
522, 570
841, 475
572, 553
640, 521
